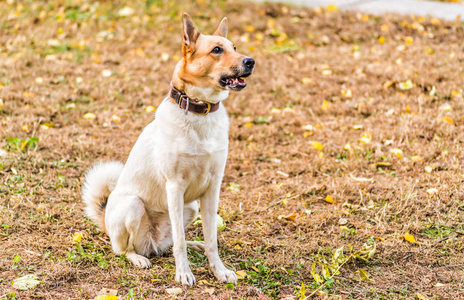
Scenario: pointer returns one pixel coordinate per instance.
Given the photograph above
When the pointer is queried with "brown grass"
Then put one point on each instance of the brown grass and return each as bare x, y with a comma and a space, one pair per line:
271, 156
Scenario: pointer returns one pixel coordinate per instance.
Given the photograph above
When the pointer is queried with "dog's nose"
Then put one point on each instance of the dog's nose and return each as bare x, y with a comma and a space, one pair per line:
249, 62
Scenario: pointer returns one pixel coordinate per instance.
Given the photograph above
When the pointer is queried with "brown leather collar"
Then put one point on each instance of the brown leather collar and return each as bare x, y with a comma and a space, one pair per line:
197, 107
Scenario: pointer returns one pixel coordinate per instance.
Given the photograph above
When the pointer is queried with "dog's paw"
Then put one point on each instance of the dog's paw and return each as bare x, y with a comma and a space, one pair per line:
139, 260
196, 245
225, 275
185, 277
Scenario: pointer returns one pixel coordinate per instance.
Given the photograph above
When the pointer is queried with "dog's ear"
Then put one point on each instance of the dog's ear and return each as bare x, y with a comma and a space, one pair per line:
222, 29
190, 34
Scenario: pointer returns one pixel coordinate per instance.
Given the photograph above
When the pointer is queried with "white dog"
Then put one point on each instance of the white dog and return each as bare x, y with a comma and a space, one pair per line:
145, 205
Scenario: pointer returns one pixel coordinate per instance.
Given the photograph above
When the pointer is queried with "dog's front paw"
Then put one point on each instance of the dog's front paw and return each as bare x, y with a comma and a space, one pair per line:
139, 260
225, 275
185, 277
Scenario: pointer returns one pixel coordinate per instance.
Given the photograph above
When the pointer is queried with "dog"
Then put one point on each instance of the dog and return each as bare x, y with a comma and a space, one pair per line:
178, 160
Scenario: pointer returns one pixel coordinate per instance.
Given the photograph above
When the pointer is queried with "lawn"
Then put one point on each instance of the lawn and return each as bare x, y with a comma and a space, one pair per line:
349, 134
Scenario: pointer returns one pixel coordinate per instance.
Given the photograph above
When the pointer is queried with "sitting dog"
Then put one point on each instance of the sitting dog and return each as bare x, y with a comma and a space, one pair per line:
145, 205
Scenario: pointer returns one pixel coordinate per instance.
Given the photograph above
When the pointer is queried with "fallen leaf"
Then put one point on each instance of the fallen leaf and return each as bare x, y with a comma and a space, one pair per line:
25, 128
221, 225
428, 169
150, 109
329, 199
325, 105
417, 158
409, 40
364, 276
90, 116
361, 179
106, 73
381, 40
106, 297
241, 275
306, 80
26, 282
316, 276
174, 291
366, 138
432, 192
331, 8
126, 11
347, 93
357, 127
420, 296
28, 94
397, 152
77, 237
115, 119
290, 217
39, 80
276, 110
438, 284
302, 292
317, 145
448, 120
410, 238
406, 85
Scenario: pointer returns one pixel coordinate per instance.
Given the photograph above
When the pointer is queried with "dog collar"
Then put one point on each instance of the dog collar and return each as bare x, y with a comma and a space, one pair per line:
197, 107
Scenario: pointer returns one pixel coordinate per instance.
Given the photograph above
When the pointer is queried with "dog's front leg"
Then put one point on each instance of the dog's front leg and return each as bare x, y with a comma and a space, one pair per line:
209, 206
175, 194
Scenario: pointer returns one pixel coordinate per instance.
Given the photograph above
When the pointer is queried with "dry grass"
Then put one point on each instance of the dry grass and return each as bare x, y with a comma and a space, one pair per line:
271, 156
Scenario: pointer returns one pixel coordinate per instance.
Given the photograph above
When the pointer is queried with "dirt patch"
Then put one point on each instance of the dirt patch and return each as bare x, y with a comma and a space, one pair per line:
391, 159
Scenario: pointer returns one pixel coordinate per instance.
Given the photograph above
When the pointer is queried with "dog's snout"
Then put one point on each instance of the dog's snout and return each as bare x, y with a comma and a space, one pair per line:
249, 63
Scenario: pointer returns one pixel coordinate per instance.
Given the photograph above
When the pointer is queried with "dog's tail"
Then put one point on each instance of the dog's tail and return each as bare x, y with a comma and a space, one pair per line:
99, 182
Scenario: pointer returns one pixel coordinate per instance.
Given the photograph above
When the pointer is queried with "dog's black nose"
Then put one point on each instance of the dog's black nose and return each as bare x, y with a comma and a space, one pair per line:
249, 62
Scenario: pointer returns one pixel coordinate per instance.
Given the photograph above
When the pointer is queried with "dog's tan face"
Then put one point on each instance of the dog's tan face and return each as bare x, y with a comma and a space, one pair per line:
211, 61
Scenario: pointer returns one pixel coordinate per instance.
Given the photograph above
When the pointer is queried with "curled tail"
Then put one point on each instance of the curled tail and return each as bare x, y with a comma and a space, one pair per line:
99, 182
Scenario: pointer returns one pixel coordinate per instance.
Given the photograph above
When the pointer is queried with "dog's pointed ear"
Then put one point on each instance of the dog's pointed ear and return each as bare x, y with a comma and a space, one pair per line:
222, 29
190, 33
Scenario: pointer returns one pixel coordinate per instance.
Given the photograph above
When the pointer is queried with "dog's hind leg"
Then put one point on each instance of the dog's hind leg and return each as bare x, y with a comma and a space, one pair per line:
129, 227
190, 213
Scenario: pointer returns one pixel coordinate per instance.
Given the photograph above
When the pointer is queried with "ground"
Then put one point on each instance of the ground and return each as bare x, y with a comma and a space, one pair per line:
350, 132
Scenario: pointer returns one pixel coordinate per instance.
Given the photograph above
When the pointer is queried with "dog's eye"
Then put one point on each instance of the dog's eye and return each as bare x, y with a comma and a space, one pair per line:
217, 50
235, 48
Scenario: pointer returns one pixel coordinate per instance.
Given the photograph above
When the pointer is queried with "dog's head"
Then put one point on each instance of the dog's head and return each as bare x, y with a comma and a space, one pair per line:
210, 65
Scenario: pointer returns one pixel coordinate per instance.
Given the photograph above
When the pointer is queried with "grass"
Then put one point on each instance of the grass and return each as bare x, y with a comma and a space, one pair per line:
367, 110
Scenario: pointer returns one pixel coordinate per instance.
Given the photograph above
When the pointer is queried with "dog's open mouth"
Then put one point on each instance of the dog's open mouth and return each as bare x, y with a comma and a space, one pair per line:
234, 83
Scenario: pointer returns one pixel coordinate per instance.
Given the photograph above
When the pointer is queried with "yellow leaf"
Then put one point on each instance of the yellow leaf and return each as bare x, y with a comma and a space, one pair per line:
364, 18
438, 284
347, 93
250, 28
416, 158
238, 247
397, 152
307, 134
255, 268
384, 27
306, 80
329, 199
276, 110
150, 109
428, 169
39, 80
327, 72
406, 85
448, 120
435, 21
302, 292
90, 116
28, 94
77, 237
241, 275
174, 291
308, 127
317, 145
176, 57
1, 104
420, 296
316, 276
331, 8
361, 179
381, 40
107, 297
409, 40
25, 128
366, 138
347, 147
290, 217
429, 50
116, 119
432, 192
357, 127
325, 105
399, 61
364, 276
410, 238
249, 124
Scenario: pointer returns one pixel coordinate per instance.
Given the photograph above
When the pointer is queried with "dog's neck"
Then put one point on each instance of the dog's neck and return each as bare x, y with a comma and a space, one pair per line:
210, 95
